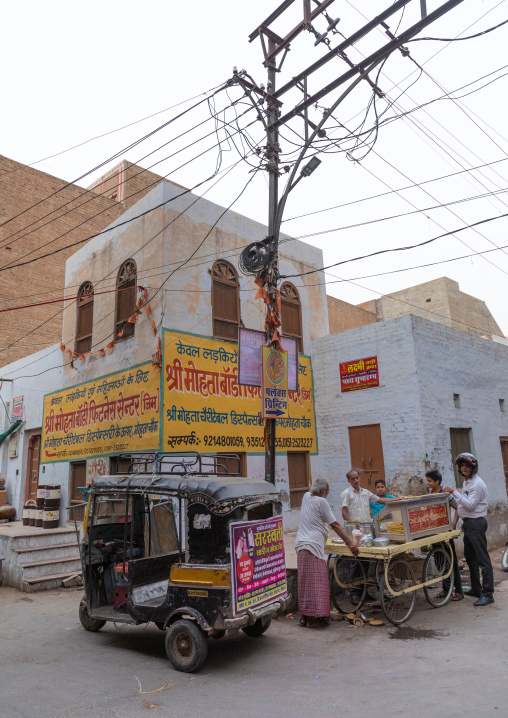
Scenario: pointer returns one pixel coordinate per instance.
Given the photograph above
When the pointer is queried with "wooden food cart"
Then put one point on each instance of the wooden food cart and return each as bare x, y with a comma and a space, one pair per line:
418, 555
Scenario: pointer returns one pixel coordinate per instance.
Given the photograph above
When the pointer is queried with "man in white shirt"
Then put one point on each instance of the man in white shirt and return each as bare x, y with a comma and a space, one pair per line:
355, 500
472, 506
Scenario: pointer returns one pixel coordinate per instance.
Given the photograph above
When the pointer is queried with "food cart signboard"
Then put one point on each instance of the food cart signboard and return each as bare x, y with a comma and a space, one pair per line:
274, 387
359, 374
250, 368
424, 518
258, 564
114, 413
206, 410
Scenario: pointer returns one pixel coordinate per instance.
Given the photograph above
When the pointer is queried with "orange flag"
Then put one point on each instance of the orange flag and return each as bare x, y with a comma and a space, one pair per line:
81, 357
148, 309
132, 319
101, 352
120, 333
68, 351
146, 294
62, 346
140, 302
111, 345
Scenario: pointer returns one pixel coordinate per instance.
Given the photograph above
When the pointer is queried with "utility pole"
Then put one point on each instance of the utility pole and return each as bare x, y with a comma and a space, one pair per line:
274, 46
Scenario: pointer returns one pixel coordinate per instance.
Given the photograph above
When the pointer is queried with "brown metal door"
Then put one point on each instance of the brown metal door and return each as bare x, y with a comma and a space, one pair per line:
504, 452
298, 471
78, 478
460, 440
32, 471
366, 450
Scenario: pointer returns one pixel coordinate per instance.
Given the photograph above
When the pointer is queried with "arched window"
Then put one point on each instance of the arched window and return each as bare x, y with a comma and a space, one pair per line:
291, 309
225, 301
125, 299
84, 318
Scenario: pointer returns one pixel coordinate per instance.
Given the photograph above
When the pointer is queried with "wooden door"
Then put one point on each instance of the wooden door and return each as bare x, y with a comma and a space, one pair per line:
504, 453
460, 440
366, 450
299, 477
78, 478
32, 471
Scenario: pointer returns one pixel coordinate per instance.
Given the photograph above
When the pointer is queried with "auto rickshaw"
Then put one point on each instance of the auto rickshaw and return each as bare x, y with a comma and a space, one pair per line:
187, 544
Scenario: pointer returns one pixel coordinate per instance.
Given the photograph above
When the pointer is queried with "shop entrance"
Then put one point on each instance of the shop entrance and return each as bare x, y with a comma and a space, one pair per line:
299, 477
366, 450
32, 468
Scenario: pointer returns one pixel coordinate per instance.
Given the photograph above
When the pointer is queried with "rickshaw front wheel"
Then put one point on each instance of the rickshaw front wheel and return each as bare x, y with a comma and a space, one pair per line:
186, 646
257, 629
89, 624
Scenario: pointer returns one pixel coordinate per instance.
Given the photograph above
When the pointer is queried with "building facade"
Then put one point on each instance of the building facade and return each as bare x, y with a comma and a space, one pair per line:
169, 272
441, 391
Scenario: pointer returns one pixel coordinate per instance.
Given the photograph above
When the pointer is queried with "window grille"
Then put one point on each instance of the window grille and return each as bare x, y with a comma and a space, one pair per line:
84, 318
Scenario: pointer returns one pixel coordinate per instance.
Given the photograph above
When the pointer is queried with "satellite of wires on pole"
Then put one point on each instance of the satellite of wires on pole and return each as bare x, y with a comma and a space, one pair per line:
262, 259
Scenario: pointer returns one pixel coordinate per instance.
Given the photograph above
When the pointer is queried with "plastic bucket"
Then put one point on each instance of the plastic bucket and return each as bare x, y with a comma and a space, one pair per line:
41, 495
50, 518
52, 497
27, 511
39, 511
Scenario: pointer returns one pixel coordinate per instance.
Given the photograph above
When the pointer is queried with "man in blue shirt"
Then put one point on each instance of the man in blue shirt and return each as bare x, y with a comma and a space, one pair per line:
381, 490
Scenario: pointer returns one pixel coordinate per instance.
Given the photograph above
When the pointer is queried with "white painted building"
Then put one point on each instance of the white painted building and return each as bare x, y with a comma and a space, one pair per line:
439, 388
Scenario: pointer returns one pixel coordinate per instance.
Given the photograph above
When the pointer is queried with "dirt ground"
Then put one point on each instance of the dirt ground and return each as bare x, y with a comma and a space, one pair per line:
445, 662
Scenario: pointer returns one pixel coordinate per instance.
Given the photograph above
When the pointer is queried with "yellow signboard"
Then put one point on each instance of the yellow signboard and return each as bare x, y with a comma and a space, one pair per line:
274, 386
115, 413
206, 410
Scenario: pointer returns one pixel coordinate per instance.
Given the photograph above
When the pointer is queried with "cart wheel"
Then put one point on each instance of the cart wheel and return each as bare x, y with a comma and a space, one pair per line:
398, 609
257, 629
89, 624
349, 585
437, 564
186, 646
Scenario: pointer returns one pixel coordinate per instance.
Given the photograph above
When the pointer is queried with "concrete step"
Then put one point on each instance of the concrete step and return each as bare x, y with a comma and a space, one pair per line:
43, 537
45, 583
41, 569
43, 553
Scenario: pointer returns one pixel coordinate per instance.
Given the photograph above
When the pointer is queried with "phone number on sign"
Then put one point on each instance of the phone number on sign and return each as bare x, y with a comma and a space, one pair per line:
291, 442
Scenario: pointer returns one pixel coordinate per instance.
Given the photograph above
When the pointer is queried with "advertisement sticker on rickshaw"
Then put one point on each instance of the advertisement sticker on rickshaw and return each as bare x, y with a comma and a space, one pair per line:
258, 564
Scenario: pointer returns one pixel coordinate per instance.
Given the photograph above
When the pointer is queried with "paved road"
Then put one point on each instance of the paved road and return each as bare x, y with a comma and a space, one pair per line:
447, 662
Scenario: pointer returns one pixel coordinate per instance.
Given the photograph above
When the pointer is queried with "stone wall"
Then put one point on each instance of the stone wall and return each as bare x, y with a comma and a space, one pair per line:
343, 316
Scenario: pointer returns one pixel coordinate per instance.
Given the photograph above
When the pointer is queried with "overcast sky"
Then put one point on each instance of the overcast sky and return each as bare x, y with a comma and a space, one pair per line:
72, 71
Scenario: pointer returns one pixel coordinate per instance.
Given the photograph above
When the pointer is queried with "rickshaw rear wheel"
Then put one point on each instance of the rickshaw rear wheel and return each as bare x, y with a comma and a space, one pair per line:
89, 624
257, 629
186, 646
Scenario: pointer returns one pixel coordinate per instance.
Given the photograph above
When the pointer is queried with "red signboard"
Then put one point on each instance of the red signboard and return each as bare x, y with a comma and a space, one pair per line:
423, 518
359, 374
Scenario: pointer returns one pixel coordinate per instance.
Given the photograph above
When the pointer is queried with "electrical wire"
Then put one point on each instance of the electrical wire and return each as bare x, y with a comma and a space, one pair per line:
110, 132
110, 159
458, 39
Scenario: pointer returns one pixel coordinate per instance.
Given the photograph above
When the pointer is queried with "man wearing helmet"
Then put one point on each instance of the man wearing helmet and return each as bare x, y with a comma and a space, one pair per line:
472, 505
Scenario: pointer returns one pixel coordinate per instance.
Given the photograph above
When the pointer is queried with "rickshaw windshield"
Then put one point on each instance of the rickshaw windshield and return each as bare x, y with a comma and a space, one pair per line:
111, 509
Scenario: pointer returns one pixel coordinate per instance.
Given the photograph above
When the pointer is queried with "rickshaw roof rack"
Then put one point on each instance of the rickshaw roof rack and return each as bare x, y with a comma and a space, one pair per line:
158, 464
221, 494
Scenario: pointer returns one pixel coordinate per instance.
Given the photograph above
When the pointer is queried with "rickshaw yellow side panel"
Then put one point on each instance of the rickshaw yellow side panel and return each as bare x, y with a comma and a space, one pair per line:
196, 575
